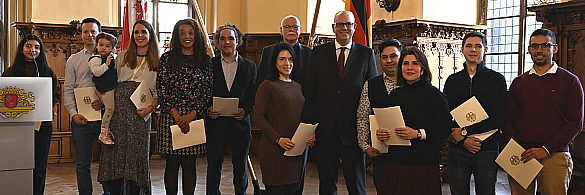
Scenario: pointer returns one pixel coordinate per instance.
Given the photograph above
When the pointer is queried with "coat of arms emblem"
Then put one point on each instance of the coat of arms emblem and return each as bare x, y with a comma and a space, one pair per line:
470, 117
16, 102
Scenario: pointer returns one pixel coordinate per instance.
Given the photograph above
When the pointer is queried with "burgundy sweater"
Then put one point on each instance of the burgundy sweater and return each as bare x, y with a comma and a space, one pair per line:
545, 111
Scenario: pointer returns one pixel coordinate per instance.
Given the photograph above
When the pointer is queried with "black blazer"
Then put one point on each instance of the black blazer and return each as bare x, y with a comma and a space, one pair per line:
244, 87
303, 53
330, 100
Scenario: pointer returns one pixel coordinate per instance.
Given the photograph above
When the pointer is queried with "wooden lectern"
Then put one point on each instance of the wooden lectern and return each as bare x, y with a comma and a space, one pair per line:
23, 100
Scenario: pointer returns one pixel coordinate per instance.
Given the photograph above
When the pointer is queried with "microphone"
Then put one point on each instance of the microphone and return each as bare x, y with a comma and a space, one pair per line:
24, 35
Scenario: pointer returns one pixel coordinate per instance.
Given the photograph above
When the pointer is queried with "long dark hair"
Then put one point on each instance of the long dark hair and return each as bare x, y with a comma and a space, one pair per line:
199, 46
152, 55
18, 66
422, 61
273, 73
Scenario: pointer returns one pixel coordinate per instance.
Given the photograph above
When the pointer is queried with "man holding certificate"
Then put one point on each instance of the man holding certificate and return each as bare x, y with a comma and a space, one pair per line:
468, 154
382, 84
234, 77
83, 131
545, 113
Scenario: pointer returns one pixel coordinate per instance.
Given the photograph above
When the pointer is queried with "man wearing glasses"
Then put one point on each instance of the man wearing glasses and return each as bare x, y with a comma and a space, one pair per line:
290, 29
545, 113
333, 82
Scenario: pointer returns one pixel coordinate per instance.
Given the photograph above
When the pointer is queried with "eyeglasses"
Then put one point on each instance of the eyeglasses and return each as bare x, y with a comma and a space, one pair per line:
347, 24
543, 45
293, 26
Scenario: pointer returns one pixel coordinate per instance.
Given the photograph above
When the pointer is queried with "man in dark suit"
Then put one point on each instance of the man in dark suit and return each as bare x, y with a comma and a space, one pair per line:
333, 83
290, 30
234, 77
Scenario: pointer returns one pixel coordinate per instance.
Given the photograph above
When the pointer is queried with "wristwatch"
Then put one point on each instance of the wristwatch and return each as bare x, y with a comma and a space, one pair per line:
464, 132
419, 134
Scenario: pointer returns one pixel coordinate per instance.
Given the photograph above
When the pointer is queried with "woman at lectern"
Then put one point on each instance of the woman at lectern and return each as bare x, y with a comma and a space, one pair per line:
31, 61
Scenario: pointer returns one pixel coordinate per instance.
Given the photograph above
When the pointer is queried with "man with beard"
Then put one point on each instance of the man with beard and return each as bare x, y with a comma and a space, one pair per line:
234, 77
545, 113
373, 88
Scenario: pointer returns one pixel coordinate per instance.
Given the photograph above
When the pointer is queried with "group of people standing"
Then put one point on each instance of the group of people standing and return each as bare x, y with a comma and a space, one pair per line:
335, 85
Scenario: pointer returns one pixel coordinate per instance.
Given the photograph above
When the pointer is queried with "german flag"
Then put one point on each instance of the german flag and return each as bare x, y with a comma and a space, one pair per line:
362, 11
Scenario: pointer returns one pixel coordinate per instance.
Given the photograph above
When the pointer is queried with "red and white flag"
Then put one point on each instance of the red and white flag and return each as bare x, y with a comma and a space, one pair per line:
132, 12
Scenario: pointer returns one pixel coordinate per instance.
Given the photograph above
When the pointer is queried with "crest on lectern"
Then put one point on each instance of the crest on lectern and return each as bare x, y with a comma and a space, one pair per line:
15, 102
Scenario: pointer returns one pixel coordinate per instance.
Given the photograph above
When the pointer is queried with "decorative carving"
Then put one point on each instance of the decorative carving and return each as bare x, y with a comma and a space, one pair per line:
482, 7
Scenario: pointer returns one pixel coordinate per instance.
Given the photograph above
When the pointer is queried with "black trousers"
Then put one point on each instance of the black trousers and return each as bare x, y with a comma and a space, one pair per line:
42, 146
353, 164
239, 144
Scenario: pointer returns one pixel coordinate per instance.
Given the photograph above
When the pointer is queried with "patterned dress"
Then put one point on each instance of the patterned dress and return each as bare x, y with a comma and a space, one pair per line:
128, 158
186, 89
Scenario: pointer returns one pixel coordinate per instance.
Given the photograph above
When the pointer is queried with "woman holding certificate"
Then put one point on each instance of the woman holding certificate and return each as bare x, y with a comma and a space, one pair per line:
279, 102
184, 83
125, 164
31, 61
415, 169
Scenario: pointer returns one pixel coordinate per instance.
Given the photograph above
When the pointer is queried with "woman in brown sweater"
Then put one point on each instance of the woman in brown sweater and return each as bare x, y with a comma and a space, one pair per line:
279, 102
31, 61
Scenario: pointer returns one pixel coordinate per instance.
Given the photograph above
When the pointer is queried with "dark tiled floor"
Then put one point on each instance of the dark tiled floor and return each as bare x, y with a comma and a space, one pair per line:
61, 179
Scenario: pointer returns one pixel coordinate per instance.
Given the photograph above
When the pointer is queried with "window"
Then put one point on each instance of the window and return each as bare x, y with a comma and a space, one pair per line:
163, 14
506, 20
169, 12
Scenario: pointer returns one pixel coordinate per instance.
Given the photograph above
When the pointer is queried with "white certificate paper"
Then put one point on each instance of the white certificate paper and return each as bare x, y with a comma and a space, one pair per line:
227, 106
83, 99
141, 96
390, 119
195, 136
484, 135
304, 131
38, 125
509, 160
379, 145
469, 113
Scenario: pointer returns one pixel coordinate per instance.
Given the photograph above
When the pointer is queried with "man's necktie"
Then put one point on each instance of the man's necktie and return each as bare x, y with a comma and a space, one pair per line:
341, 61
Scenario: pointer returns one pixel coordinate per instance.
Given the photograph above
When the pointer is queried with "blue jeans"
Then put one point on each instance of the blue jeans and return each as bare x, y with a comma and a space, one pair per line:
83, 138
482, 165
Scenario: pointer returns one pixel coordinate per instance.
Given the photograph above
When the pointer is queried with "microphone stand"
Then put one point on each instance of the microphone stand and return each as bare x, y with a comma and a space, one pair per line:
24, 35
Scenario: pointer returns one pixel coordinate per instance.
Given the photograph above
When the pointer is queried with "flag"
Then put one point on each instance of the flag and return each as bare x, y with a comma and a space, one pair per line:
362, 11
132, 12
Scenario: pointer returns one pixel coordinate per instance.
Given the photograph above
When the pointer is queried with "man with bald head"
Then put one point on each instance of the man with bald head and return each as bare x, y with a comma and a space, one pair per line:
290, 29
333, 82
